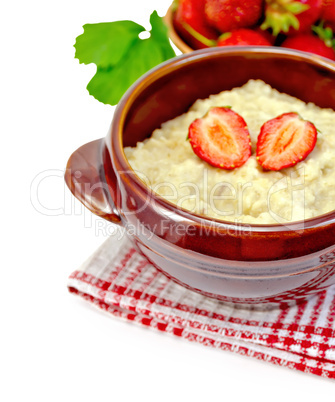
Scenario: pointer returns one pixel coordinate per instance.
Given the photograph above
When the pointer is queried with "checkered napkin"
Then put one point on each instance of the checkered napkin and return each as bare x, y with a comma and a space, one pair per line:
121, 281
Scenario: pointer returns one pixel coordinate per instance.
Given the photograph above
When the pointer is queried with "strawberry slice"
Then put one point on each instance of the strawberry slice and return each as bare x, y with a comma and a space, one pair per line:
221, 138
284, 141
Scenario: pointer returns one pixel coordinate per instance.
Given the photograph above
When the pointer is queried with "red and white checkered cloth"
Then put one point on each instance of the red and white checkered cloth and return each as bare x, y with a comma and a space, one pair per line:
121, 281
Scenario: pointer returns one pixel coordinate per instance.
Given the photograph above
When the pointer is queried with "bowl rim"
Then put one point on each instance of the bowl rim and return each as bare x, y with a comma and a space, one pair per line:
116, 146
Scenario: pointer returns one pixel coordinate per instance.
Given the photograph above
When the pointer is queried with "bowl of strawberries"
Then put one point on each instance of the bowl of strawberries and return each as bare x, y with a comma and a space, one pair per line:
304, 25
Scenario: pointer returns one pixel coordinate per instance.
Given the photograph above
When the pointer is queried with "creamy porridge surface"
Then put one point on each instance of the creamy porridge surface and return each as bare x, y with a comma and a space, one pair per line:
167, 163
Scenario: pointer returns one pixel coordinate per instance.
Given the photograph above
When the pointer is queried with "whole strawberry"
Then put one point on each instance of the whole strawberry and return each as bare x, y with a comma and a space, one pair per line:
309, 43
243, 37
266, 34
189, 21
291, 16
226, 15
328, 13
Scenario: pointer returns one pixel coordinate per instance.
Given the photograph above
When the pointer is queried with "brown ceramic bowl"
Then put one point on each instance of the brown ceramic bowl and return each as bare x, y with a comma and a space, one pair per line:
242, 264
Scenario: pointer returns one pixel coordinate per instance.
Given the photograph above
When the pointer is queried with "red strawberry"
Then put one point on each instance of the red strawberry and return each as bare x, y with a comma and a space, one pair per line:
221, 138
189, 21
328, 11
226, 15
284, 141
242, 37
291, 16
266, 34
309, 43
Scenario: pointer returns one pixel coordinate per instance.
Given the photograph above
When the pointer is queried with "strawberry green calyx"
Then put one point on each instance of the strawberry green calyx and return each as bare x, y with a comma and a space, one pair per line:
324, 33
224, 36
205, 41
295, 7
281, 15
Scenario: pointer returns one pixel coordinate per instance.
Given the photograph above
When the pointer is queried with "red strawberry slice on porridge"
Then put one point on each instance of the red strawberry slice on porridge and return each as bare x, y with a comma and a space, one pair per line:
221, 138
284, 141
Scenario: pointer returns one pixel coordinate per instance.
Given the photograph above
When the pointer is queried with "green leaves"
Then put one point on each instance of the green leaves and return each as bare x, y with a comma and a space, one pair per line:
160, 37
120, 55
106, 43
109, 84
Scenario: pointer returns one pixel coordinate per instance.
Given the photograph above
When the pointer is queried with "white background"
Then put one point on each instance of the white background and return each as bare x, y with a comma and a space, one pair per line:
55, 346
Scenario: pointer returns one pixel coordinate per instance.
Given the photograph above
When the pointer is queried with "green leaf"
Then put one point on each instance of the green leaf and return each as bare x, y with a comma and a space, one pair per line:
107, 42
109, 84
159, 33
121, 60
